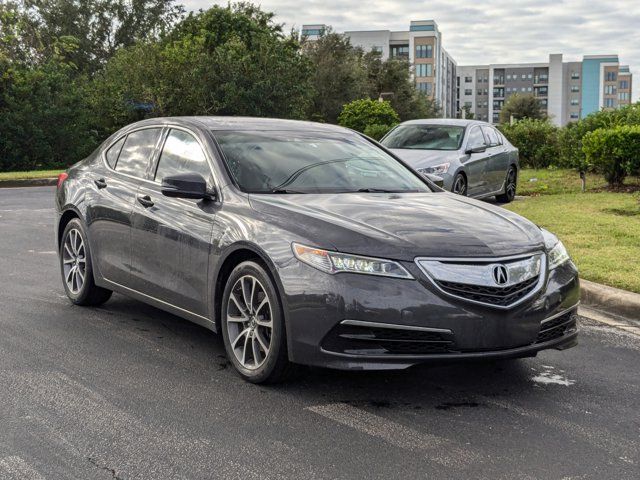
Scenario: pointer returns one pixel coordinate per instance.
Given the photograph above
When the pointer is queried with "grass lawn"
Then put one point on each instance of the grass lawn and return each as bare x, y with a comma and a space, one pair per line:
29, 175
552, 182
600, 230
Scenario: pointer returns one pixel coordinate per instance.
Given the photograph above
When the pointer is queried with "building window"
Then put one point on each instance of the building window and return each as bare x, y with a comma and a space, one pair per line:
424, 70
529, 76
609, 89
400, 51
624, 84
575, 88
425, 87
376, 49
498, 92
468, 79
468, 91
424, 51
624, 96
609, 102
611, 76
468, 104
575, 76
575, 101
523, 76
574, 115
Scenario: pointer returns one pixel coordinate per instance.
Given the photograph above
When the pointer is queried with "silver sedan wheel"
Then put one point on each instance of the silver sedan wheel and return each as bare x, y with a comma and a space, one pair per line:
249, 322
74, 261
459, 185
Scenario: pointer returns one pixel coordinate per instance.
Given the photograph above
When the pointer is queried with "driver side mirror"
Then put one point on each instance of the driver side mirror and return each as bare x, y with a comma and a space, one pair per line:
186, 185
476, 149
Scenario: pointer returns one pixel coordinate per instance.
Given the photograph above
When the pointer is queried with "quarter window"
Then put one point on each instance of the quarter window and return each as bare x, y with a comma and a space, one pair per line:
137, 151
182, 154
113, 152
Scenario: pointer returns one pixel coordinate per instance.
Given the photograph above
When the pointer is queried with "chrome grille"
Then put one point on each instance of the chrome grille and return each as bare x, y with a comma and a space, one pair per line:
496, 282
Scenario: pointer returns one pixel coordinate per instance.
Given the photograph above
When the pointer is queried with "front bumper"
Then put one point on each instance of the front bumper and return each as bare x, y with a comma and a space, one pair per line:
342, 321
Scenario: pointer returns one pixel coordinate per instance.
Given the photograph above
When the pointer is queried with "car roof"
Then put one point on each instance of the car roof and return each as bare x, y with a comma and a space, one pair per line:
459, 122
243, 123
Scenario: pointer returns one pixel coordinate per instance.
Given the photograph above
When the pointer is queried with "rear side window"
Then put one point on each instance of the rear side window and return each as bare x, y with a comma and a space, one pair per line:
137, 151
113, 152
182, 154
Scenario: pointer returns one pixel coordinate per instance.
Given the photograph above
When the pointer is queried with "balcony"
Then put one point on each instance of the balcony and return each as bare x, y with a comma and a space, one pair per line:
498, 80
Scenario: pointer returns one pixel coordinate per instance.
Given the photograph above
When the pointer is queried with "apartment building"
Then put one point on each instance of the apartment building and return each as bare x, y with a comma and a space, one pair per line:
567, 91
433, 69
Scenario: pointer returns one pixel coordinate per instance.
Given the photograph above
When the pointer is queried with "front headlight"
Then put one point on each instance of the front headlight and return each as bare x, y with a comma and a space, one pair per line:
436, 170
556, 250
335, 262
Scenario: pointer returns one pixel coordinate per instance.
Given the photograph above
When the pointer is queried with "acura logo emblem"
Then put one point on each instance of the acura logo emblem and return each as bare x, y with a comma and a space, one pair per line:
500, 275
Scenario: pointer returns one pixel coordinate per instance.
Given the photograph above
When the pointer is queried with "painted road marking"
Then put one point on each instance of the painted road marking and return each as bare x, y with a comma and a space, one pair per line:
438, 449
16, 468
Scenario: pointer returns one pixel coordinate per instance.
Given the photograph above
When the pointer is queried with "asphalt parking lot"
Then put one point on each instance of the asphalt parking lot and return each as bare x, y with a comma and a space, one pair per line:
127, 391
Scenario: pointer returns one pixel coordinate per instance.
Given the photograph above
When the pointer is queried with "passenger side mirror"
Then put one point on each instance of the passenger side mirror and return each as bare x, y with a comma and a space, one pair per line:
185, 185
439, 181
476, 149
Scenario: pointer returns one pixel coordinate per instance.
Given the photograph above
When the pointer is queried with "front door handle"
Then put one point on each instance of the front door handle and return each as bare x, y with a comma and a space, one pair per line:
100, 183
145, 201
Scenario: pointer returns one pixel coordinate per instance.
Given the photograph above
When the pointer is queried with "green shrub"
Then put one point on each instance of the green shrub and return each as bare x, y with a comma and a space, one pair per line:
570, 137
377, 131
536, 140
615, 152
361, 114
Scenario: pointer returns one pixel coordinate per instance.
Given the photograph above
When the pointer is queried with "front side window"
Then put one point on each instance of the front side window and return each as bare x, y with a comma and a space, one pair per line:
113, 153
312, 162
137, 151
425, 137
476, 139
182, 154
492, 136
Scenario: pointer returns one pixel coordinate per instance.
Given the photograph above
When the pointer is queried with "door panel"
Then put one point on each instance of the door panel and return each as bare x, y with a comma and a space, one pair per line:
498, 163
109, 210
475, 164
171, 240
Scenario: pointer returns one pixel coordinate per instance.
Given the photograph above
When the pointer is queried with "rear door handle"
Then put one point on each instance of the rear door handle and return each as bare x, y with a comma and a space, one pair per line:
145, 201
100, 183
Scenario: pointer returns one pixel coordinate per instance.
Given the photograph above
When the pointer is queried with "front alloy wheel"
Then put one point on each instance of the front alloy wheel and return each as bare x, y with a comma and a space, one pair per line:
459, 185
252, 325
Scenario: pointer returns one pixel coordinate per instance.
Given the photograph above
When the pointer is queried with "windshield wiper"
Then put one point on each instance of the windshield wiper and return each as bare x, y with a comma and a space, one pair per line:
285, 190
383, 190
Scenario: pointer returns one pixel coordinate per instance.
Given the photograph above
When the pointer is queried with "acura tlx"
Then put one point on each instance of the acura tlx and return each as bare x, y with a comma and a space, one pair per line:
304, 243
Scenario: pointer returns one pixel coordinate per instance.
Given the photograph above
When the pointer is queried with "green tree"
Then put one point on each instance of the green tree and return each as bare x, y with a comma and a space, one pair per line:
97, 28
338, 75
521, 106
393, 77
465, 112
230, 60
364, 113
614, 152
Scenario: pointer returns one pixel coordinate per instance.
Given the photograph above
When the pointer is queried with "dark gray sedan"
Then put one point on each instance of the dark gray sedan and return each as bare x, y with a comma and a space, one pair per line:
304, 243
472, 157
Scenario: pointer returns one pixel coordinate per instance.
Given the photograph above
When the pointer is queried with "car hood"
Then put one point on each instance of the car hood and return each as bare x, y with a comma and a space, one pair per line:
425, 158
401, 226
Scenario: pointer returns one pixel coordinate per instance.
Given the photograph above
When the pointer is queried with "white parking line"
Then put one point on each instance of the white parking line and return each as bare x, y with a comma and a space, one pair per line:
436, 448
16, 468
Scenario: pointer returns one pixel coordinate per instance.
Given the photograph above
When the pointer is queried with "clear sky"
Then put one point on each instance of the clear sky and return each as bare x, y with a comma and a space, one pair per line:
487, 31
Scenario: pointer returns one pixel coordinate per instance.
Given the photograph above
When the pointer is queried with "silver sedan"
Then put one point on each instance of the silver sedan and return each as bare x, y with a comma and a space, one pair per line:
472, 157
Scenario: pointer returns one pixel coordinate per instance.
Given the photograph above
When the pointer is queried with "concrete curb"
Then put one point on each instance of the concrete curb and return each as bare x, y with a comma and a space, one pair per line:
612, 300
31, 182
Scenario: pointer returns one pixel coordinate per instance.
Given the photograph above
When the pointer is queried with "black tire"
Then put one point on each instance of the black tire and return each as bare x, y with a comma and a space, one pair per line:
88, 293
510, 186
460, 186
246, 353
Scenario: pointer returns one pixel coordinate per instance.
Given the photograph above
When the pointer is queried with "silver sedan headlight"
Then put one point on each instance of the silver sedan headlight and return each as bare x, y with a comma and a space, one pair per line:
556, 251
436, 170
335, 262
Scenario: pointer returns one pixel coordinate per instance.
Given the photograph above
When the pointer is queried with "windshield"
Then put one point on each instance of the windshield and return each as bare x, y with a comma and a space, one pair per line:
425, 137
312, 162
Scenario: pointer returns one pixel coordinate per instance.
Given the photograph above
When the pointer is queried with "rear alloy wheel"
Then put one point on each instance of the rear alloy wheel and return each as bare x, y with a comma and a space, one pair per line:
253, 325
510, 187
75, 266
459, 185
